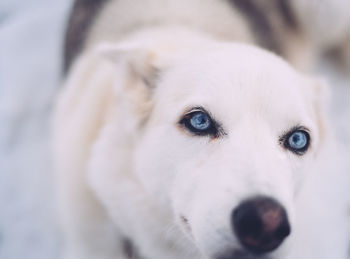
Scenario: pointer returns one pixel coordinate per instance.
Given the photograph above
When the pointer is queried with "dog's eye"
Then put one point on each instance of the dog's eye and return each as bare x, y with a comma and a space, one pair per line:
297, 141
199, 123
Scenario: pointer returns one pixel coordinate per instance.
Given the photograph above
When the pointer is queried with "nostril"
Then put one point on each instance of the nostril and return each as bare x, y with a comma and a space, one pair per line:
261, 224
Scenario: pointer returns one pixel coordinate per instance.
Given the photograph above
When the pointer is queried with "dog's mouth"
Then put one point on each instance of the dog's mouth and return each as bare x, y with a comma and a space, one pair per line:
185, 224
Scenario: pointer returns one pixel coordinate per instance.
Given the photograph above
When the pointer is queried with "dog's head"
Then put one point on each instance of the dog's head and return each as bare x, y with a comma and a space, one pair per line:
225, 136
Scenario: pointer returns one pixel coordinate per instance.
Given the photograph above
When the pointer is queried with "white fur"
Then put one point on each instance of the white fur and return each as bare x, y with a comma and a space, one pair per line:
126, 169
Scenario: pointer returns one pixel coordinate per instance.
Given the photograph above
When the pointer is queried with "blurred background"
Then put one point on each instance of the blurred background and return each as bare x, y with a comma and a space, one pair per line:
31, 34
31, 39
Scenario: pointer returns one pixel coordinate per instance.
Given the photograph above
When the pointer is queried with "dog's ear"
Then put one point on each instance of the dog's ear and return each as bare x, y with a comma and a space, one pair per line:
137, 69
140, 61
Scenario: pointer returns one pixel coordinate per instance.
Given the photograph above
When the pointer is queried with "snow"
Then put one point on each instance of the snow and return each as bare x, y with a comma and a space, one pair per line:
30, 44
30, 50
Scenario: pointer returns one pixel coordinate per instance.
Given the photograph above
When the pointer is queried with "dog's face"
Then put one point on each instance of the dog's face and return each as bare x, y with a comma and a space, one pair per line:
226, 145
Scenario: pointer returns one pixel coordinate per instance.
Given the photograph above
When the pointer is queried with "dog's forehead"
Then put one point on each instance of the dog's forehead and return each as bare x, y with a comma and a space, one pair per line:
235, 79
237, 69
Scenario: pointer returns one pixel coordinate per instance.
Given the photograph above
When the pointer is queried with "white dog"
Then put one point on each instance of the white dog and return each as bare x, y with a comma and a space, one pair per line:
173, 143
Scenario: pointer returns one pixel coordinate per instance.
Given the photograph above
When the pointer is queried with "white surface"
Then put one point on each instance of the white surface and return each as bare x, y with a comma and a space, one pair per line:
30, 44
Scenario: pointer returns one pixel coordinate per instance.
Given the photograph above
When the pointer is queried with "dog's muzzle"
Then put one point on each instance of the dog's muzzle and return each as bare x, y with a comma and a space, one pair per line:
260, 224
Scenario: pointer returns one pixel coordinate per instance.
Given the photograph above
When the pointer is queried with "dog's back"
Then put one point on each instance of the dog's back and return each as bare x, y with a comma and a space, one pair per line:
270, 24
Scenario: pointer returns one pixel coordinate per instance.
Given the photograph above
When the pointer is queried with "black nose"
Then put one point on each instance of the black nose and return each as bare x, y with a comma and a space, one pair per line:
261, 224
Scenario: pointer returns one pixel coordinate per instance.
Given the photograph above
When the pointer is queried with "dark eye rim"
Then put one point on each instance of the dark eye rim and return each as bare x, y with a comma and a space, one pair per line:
215, 129
285, 143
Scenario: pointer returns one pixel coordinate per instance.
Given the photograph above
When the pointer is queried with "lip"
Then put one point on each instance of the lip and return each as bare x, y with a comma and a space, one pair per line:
185, 224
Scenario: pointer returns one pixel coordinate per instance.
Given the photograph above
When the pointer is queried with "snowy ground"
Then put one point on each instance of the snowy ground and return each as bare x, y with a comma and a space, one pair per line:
30, 42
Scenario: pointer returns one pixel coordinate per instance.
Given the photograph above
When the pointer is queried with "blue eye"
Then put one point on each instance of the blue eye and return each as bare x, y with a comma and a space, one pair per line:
298, 141
199, 122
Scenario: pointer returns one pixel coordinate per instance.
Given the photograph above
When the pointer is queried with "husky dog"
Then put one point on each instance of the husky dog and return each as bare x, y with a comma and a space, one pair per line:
175, 137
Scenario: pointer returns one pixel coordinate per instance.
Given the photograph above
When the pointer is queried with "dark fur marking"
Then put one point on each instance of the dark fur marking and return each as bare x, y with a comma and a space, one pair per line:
81, 19
259, 23
287, 14
270, 20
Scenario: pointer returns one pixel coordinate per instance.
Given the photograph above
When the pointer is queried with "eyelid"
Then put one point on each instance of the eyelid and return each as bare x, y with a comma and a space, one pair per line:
196, 109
